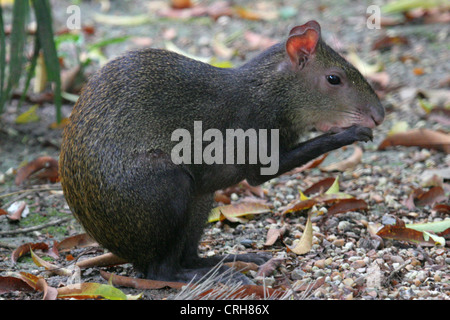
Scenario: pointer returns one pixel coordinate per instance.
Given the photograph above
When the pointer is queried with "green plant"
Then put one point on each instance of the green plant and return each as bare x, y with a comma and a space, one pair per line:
43, 40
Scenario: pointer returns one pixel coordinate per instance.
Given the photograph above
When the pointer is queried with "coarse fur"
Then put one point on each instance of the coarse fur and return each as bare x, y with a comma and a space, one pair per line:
115, 165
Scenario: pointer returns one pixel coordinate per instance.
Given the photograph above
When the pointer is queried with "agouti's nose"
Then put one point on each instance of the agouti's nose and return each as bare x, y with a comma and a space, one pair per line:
378, 114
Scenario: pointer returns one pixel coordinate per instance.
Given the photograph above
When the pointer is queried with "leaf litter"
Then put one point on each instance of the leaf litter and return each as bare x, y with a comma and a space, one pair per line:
343, 258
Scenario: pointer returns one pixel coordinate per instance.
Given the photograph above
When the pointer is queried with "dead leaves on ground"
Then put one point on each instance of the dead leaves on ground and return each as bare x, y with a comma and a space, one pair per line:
337, 201
423, 138
26, 282
46, 168
426, 234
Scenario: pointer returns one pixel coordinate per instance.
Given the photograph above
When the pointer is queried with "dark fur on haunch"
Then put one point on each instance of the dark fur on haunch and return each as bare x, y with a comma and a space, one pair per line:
115, 164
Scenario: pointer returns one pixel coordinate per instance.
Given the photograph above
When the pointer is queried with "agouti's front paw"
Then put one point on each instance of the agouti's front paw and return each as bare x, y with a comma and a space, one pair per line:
364, 134
357, 133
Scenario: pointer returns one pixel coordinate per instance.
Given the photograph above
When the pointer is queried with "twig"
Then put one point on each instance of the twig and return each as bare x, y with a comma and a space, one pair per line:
42, 226
395, 271
41, 188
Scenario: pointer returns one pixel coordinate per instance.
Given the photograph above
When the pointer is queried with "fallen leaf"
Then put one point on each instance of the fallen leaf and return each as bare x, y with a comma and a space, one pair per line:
299, 206
424, 138
243, 292
273, 234
49, 266
269, 267
91, 290
400, 6
28, 278
398, 127
28, 116
180, 4
346, 164
77, 241
442, 208
432, 196
402, 233
10, 284
436, 227
236, 212
311, 164
50, 293
320, 187
346, 205
104, 260
363, 67
48, 164
25, 248
122, 20
418, 71
247, 14
140, 283
388, 42
17, 214
242, 266
304, 245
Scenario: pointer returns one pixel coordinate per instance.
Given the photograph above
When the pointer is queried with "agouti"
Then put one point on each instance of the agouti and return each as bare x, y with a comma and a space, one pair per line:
146, 199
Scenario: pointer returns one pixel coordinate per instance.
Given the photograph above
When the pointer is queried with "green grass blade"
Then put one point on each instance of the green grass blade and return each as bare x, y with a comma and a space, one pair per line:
17, 46
2, 60
45, 35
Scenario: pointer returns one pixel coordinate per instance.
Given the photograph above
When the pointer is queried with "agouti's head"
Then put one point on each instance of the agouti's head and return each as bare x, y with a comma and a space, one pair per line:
338, 96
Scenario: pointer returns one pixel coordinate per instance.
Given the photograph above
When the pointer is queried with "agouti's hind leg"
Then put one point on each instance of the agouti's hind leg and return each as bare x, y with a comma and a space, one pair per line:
192, 264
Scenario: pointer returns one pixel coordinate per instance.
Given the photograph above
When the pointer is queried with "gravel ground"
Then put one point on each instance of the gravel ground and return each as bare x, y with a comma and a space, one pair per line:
346, 260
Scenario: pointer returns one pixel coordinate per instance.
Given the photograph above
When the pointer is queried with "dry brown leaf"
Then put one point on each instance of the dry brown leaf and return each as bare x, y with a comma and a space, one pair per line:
424, 138
388, 42
401, 233
180, 4
17, 215
431, 197
10, 284
48, 266
267, 268
104, 260
348, 163
242, 266
139, 283
273, 234
50, 293
345, 205
305, 244
77, 241
320, 187
311, 164
25, 248
48, 164
237, 212
300, 205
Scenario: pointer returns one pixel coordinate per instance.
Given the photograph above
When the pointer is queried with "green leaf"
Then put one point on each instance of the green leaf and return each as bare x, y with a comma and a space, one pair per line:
334, 187
45, 37
28, 116
407, 5
91, 291
435, 227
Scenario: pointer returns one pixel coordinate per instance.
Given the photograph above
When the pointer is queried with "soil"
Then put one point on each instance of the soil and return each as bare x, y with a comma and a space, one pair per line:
344, 252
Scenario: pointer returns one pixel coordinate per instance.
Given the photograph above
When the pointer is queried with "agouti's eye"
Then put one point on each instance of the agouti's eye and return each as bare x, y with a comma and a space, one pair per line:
333, 79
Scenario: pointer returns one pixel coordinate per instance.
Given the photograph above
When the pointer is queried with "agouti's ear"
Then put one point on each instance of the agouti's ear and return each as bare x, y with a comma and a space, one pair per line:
302, 43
